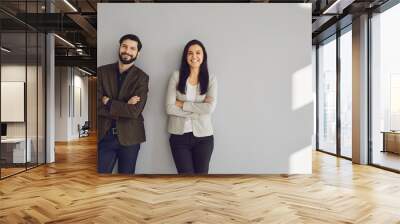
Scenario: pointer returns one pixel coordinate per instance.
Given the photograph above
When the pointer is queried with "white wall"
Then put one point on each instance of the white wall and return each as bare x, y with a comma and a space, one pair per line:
61, 103
264, 117
68, 81
80, 85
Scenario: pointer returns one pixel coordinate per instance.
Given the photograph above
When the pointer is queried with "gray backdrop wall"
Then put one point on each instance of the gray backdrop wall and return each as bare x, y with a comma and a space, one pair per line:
261, 55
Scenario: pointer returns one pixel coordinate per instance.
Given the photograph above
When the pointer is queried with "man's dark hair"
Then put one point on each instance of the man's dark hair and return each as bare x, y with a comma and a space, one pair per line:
131, 37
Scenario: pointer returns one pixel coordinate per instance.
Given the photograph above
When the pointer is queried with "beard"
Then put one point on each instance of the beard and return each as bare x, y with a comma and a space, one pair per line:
126, 61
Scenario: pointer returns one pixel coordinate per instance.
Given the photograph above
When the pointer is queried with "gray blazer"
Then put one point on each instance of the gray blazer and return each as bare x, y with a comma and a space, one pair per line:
198, 111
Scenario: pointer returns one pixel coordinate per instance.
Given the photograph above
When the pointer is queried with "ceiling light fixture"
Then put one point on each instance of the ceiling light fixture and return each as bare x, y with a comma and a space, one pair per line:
5, 50
329, 9
86, 72
337, 7
65, 41
70, 5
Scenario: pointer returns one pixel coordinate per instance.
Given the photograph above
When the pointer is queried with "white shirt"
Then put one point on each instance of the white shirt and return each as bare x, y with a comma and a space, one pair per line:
190, 97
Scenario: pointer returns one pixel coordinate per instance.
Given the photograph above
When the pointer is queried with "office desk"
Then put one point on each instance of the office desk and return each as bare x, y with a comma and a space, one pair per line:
391, 141
13, 150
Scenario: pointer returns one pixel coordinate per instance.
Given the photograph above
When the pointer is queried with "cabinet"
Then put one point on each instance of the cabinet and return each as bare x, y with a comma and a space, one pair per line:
391, 142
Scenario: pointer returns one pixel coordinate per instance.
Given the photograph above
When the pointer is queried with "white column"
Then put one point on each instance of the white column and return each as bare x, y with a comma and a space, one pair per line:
360, 90
50, 92
50, 109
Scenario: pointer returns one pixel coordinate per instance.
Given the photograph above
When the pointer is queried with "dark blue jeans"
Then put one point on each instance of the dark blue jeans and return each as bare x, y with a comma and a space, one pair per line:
109, 150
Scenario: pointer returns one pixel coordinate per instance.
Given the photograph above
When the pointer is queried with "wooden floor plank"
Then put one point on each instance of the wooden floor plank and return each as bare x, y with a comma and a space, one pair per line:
71, 191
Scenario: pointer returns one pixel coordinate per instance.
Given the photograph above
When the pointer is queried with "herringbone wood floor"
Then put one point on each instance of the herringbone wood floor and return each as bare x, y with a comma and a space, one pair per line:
70, 191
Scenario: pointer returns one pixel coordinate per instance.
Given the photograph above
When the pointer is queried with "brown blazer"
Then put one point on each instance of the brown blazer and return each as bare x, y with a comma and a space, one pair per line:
129, 119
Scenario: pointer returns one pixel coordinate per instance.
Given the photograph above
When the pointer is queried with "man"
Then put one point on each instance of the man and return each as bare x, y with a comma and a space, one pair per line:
121, 96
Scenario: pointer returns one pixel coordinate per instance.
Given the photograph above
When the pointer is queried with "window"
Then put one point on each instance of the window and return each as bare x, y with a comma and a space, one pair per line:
385, 89
346, 92
327, 96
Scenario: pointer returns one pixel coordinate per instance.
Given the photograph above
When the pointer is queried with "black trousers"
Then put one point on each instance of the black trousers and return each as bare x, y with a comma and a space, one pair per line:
191, 154
109, 150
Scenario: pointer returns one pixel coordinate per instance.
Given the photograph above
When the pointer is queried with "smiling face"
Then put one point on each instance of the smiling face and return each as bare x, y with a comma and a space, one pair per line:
128, 51
195, 56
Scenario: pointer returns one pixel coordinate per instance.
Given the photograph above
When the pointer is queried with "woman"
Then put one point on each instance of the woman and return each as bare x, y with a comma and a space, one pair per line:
191, 98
